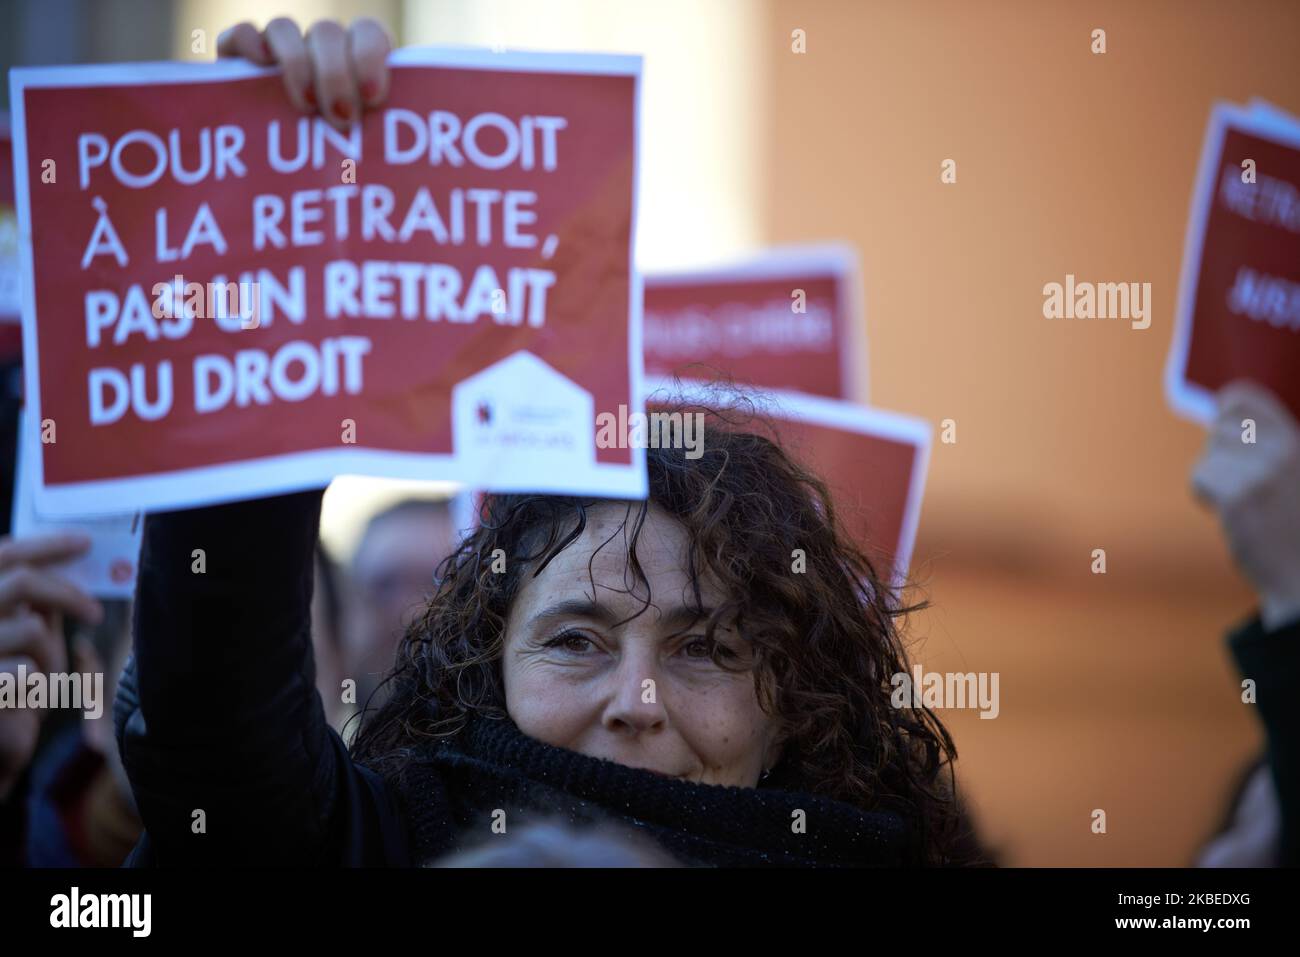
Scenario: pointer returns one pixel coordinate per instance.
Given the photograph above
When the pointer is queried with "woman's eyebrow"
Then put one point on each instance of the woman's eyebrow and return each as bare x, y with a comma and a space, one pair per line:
576, 608
673, 619
682, 616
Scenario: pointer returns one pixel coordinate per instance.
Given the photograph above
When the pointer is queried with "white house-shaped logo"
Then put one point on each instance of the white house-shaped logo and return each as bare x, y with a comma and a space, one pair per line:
522, 409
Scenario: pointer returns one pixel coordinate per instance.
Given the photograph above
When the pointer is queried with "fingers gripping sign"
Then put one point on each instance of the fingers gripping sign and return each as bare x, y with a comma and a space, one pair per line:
1250, 474
329, 70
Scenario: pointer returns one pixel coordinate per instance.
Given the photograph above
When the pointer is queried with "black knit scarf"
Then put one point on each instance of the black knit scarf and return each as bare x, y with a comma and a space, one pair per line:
451, 793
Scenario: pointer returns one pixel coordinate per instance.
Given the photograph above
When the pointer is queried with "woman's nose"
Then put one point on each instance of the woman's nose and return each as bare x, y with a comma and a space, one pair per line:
634, 704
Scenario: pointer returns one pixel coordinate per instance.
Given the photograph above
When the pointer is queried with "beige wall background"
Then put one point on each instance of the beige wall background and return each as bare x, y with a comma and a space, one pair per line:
1116, 689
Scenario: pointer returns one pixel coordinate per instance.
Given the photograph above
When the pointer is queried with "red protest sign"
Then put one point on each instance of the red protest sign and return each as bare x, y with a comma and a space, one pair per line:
787, 319
874, 462
230, 299
1239, 300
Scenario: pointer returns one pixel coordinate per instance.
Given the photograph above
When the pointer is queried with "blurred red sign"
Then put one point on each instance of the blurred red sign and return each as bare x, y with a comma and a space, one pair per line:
1239, 302
873, 462
231, 299
787, 319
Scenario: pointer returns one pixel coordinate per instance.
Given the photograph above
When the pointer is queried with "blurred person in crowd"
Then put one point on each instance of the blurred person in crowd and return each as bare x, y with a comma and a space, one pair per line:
1250, 831
1255, 488
556, 844
391, 576
65, 800
327, 639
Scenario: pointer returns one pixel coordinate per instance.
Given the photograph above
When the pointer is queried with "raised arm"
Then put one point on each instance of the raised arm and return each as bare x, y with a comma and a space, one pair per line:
221, 729
1255, 487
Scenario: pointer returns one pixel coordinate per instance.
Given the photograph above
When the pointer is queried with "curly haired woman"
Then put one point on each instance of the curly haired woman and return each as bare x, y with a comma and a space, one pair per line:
653, 664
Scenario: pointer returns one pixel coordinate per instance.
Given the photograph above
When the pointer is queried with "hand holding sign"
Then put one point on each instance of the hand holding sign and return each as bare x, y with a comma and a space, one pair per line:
329, 69
1250, 473
231, 299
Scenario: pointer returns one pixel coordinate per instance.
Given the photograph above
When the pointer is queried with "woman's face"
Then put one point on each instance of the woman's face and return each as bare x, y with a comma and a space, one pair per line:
645, 693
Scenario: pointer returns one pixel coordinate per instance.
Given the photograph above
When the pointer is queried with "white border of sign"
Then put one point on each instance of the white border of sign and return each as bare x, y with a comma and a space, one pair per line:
1187, 398
800, 261
14, 317
1283, 121
832, 413
313, 469
109, 536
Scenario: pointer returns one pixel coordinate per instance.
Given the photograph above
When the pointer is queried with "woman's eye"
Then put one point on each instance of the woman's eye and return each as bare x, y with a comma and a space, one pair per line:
572, 641
704, 649
698, 648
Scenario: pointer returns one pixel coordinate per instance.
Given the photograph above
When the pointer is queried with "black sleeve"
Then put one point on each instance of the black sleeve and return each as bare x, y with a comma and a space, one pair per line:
1272, 661
218, 711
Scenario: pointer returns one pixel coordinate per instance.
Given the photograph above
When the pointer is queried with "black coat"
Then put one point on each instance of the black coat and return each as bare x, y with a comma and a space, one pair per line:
218, 713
